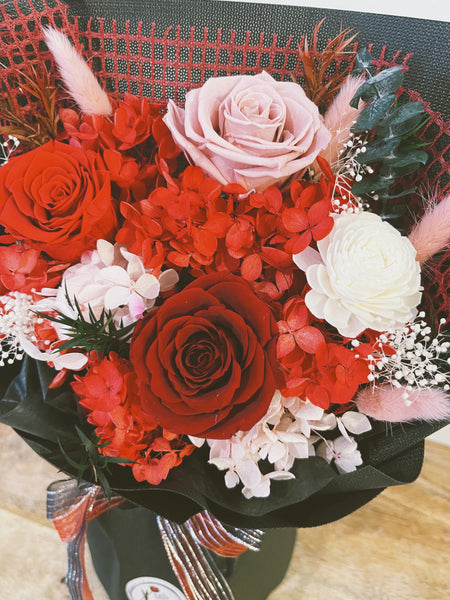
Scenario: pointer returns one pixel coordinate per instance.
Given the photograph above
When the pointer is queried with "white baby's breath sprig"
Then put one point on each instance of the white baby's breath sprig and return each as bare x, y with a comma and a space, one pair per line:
7, 147
419, 360
17, 321
348, 169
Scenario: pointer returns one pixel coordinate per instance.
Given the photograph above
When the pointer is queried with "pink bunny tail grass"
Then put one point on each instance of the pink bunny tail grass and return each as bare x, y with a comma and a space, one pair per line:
78, 78
387, 403
339, 119
432, 233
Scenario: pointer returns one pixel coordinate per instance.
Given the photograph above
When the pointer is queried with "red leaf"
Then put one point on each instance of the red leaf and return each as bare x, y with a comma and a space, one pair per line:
285, 345
307, 197
181, 260
273, 199
309, 339
276, 258
251, 267
204, 241
323, 228
283, 280
192, 178
239, 235
300, 243
325, 168
297, 315
234, 188
318, 212
219, 224
294, 220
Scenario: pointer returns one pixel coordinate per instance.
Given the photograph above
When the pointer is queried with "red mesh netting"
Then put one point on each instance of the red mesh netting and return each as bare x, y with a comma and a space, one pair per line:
167, 66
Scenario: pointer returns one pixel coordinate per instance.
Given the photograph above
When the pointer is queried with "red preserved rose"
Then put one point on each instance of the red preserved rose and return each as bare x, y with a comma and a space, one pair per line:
58, 199
206, 359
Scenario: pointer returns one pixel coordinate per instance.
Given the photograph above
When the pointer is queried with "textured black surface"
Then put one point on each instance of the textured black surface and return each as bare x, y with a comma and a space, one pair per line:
427, 40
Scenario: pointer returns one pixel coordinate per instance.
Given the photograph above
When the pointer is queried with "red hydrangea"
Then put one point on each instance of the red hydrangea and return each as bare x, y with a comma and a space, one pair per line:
24, 269
195, 222
109, 394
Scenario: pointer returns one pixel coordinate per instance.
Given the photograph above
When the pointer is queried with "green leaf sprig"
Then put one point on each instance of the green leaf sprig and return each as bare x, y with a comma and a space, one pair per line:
100, 334
85, 457
393, 148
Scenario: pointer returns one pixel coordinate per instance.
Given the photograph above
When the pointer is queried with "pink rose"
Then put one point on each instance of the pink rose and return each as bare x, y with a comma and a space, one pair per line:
251, 130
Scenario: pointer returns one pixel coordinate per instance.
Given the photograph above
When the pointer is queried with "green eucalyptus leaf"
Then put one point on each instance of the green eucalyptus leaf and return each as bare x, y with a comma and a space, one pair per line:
402, 159
387, 81
395, 171
403, 112
402, 129
392, 195
363, 60
378, 150
374, 112
372, 184
384, 83
365, 92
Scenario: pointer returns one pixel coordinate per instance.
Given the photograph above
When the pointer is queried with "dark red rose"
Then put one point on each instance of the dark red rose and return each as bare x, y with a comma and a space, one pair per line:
206, 359
58, 199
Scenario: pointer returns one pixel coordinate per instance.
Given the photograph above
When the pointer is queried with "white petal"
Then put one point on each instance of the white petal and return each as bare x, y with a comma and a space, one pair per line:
280, 475
356, 422
306, 258
262, 490
309, 411
74, 361
221, 463
114, 274
116, 296
248, 472
92, 293
168, 279
316, 303
136, 306
231, 479
147, 286
327, 422
135, 268
276, 452
31, 349
127, 255
106, 252
325, 452
198, 442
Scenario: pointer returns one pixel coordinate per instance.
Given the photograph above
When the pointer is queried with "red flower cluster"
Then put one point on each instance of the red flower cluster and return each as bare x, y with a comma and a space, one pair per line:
108, 392
132, 143
194, 222
23, 269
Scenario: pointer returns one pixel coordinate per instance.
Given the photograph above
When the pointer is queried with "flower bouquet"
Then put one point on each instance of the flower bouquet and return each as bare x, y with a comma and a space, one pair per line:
224, 288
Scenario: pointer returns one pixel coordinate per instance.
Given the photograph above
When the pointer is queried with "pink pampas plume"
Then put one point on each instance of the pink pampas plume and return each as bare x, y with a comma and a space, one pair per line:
340, 118
388, 403
432, 233
78, 78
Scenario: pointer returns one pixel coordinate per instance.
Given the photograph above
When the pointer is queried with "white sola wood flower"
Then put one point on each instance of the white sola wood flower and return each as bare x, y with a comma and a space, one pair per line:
287, 432
365, 275
110, 278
